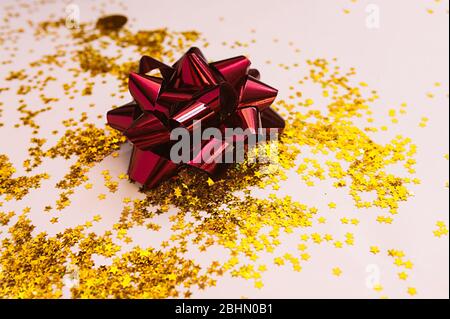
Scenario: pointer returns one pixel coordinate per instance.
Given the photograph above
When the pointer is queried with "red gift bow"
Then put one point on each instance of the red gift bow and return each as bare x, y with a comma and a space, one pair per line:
223, 94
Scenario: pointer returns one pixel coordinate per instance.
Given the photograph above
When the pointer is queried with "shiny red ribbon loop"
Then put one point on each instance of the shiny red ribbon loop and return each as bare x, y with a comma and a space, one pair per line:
223, 94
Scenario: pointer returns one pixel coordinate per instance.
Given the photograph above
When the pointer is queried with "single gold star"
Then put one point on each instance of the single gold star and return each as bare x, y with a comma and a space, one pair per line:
259, 284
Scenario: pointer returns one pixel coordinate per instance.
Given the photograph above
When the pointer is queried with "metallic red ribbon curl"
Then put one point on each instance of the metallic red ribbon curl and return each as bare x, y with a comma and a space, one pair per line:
223, 94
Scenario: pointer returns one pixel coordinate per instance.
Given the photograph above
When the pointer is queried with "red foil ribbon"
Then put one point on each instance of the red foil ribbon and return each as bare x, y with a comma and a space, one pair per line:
223, 94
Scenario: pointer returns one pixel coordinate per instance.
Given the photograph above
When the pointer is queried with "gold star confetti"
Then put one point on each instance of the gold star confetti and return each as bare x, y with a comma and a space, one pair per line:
412, 291
336, 272
442, 229
245, 226
378, 288
402, 275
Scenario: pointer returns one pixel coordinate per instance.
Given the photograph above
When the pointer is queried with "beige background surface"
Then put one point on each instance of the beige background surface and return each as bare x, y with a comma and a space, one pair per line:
402, 60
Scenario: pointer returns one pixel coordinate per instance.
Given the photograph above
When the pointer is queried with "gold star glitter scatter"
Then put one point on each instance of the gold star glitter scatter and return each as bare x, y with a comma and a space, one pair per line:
160, 43
34, 267
111, 185
5, 217
365, 157
238, 226
423, 122
436, 6
384, 219
405, 266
